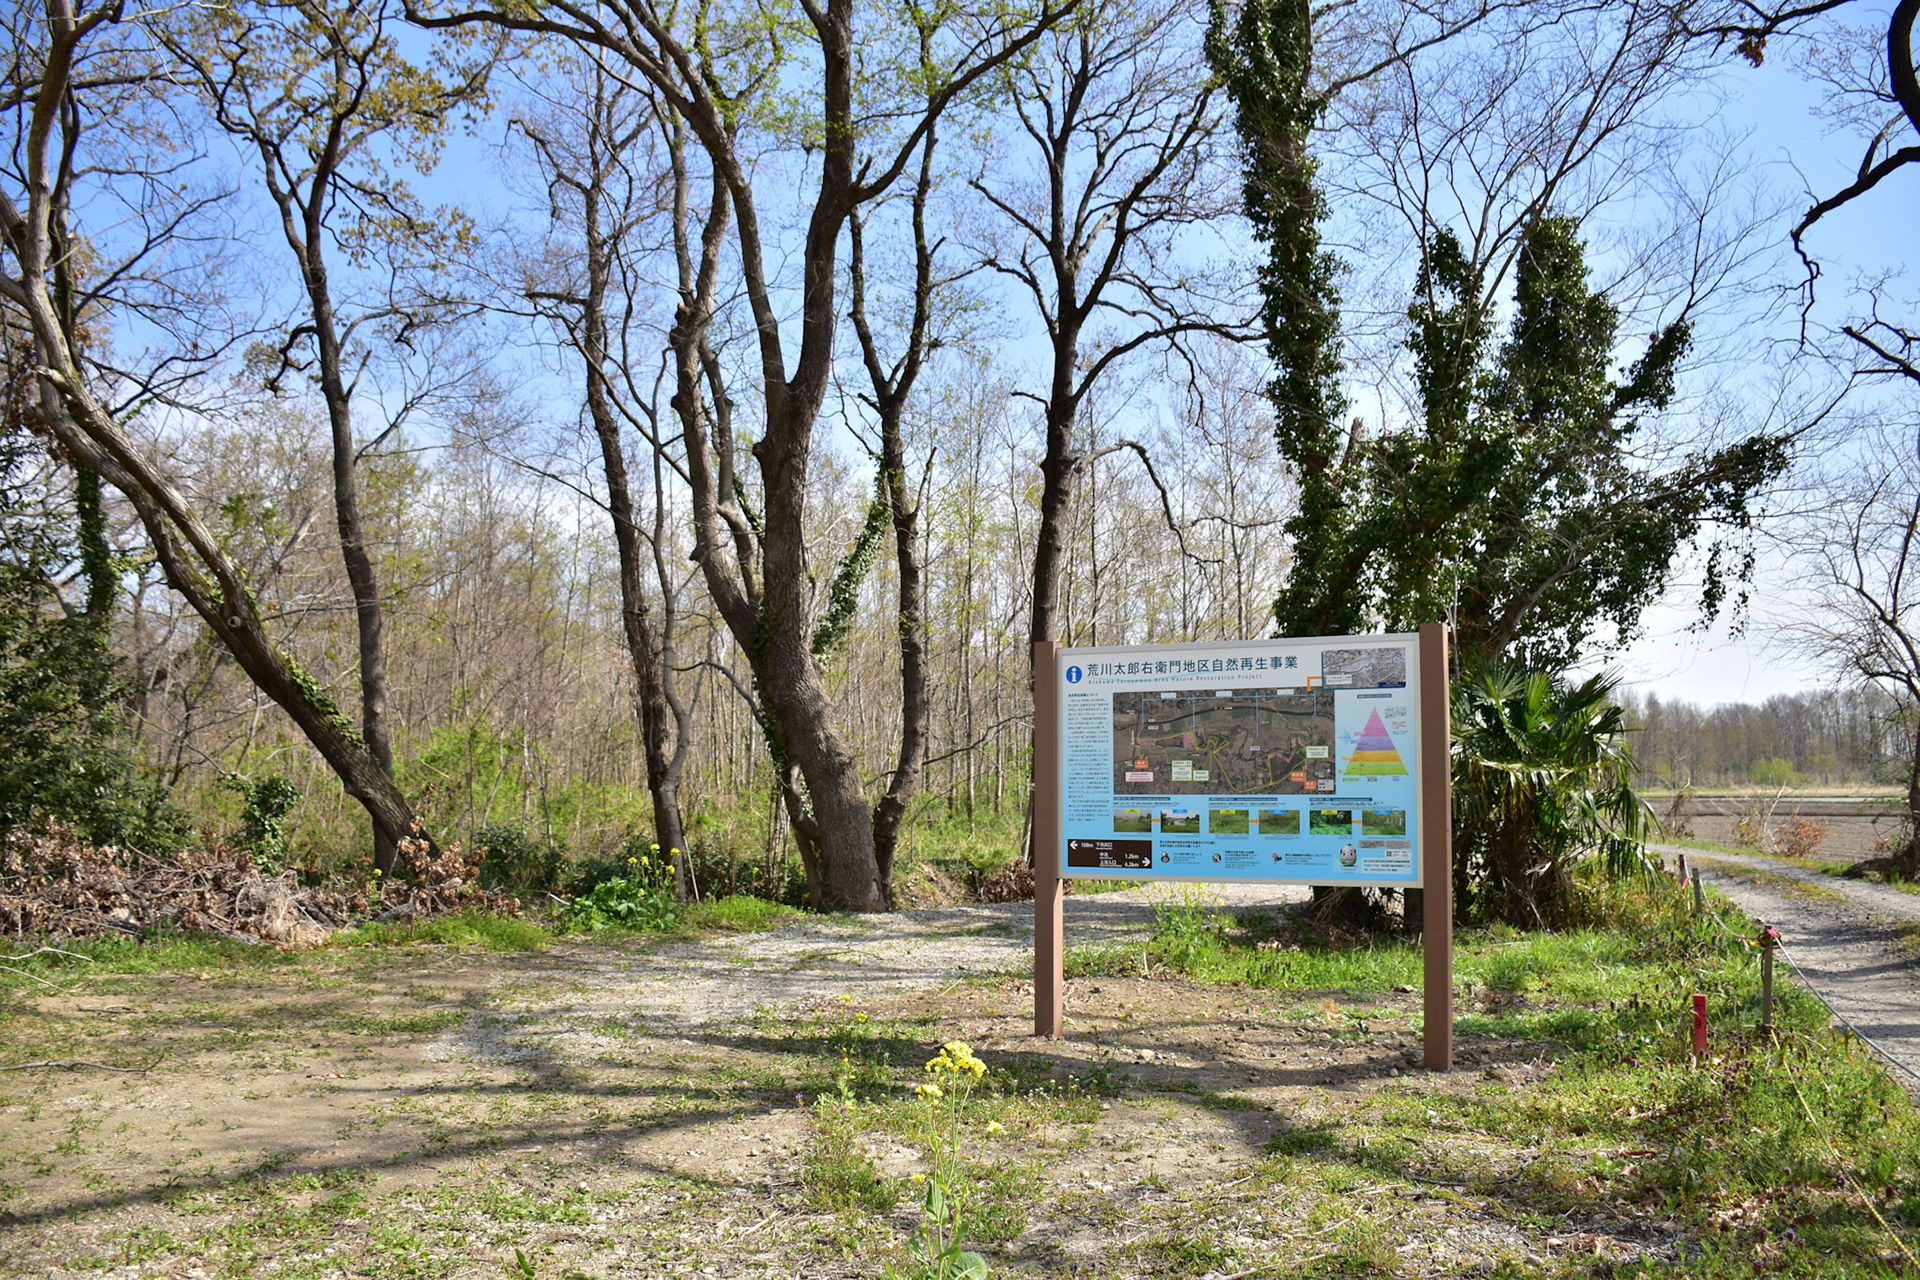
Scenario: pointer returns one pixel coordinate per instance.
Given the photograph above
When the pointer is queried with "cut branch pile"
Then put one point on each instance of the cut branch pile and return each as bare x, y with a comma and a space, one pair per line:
58, 886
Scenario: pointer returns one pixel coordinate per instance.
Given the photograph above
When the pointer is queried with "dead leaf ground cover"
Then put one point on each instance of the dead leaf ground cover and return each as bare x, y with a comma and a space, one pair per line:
1233, 1098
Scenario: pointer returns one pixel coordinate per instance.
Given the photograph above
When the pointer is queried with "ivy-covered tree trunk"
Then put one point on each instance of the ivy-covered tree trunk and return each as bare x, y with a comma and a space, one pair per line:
1264, 57
1263, 53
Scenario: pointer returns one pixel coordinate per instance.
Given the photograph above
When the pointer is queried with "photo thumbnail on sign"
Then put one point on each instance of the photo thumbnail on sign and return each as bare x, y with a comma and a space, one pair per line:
1179, 822
1279, 822
1330, 822
1228, 822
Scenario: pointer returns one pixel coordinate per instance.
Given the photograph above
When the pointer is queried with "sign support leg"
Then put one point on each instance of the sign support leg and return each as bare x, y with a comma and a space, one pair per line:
1049, 932
1436, 846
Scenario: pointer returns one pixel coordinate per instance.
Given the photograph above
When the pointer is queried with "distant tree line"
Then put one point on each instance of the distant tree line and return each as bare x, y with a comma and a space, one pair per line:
1831, 737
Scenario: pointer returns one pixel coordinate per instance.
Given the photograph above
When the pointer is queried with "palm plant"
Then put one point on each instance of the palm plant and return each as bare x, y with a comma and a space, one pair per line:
1542, 781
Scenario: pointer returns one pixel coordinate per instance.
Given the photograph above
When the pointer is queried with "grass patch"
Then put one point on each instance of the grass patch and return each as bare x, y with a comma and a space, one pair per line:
1770, 1149
166, 952
473, 930
739, 914
1784, 883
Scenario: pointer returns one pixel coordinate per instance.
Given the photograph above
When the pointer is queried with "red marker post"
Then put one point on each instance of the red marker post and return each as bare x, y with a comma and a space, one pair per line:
1699, 1024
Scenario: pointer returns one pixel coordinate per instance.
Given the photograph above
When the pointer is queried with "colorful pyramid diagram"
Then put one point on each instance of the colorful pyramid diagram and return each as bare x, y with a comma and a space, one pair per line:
1374, 755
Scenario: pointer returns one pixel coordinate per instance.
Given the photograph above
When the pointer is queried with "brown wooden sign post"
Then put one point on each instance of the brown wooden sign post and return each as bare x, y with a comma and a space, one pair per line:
1049, 891
1435, 849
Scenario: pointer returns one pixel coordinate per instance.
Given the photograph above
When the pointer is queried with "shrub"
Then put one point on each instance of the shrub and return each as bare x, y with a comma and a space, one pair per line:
1801, 836
510, 862
642, 898
1542, 782
265, 803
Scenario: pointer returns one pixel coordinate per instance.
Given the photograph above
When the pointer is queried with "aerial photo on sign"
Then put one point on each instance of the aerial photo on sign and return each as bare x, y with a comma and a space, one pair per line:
1224, 742
1369, 668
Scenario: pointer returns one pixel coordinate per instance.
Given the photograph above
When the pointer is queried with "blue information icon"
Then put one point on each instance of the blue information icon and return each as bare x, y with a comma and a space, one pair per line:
1073, 675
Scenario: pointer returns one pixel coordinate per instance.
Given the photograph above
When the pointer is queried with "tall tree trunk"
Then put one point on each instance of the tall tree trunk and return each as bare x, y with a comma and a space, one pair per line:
892, 387
370, 619
1058, 469
915, 712
645, 653
1909, 857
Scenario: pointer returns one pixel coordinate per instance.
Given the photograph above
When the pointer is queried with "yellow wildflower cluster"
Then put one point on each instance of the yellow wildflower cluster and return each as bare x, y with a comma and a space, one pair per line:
956, 1059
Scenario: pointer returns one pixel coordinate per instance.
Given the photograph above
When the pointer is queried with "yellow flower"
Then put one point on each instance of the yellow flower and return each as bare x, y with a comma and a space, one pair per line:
846, 999
956, 1058
928, 1091
654, 847
918, 1177
859, 1017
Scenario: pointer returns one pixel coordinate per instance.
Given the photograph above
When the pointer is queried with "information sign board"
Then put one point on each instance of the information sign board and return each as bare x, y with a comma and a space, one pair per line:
1284, 761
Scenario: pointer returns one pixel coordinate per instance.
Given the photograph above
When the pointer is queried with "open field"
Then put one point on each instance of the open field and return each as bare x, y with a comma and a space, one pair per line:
1232, 1098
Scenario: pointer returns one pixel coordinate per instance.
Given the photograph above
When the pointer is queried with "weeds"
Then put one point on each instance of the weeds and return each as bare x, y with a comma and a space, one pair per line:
642, 898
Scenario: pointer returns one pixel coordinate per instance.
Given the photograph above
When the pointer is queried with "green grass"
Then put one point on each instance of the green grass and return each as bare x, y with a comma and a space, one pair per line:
1707, 846
168, 952
165, 953
1793, 1132
739, 914
1824, 866
474, 930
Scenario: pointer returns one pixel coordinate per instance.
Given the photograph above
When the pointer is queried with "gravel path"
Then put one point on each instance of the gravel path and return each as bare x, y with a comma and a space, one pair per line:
727, 977
1840, 934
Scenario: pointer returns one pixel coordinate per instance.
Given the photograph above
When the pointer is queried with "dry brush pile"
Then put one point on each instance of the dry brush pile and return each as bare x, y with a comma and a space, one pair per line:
58, 886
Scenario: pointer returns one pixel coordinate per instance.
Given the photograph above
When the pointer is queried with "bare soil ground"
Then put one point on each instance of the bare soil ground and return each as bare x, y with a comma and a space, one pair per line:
625, 1110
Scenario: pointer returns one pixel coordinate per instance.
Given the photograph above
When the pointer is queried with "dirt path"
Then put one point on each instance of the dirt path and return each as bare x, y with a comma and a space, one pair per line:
732, 1107
722, 978
1845, 937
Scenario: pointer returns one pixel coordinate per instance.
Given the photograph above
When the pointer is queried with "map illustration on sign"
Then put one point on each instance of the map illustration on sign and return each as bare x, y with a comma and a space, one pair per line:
1374, 755
1222, 742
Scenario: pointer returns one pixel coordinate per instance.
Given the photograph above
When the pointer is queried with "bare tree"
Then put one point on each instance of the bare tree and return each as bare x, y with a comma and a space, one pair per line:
1114, 120
1870, 73
605, 193
67, 60
1861, 560
323, 98
891, 388
711, 72
1864, 56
